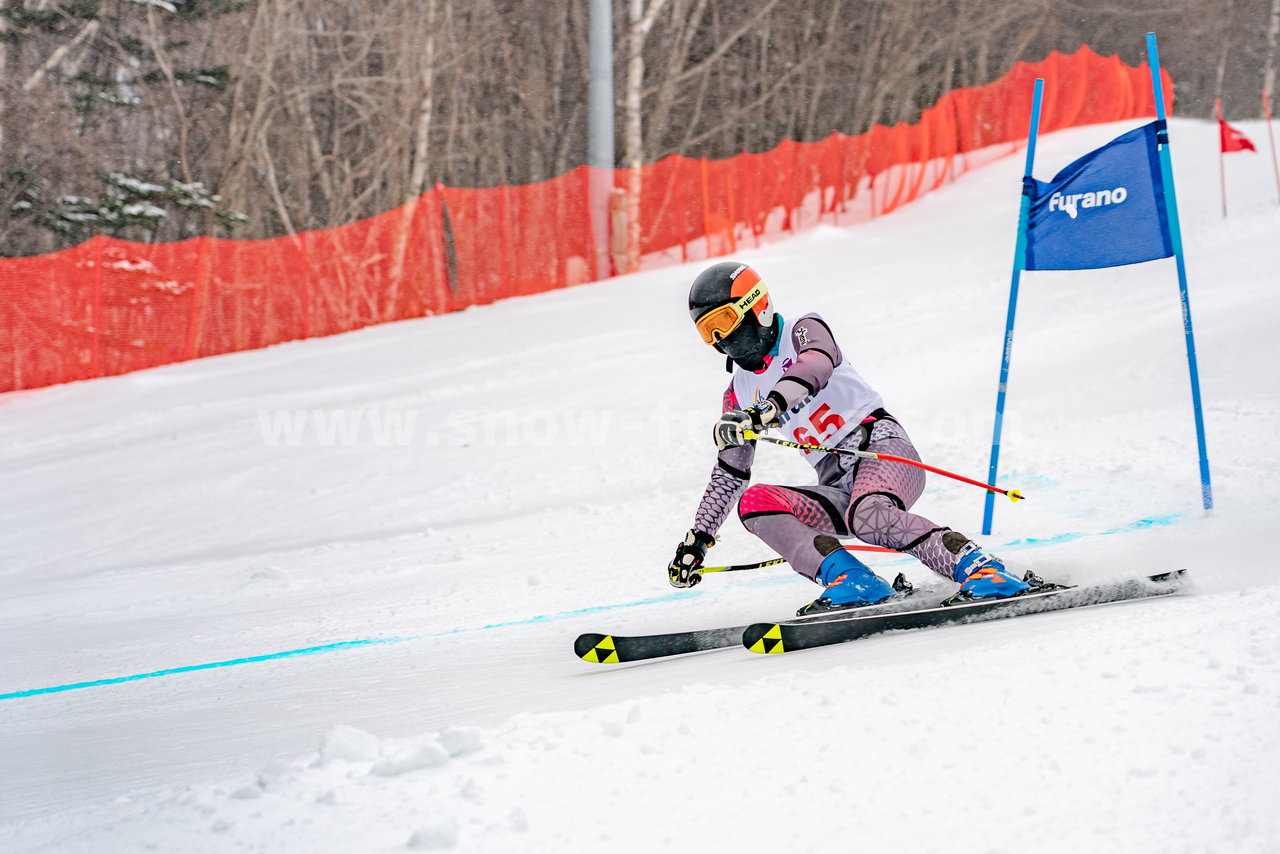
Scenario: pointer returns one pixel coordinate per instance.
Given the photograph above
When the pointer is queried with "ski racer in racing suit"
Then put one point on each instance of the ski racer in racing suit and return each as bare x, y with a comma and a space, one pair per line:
790, 375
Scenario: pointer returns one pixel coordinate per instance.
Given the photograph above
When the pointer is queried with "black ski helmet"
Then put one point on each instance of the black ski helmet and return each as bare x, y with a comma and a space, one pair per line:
730, 305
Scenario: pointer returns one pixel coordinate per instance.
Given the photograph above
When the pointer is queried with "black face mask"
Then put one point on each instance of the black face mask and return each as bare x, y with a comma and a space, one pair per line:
750, 343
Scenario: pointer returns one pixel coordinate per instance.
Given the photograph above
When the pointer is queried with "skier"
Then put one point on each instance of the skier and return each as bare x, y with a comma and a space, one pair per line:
792, 376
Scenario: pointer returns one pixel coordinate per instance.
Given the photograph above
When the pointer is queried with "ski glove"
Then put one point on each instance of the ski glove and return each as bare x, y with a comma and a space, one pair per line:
685, 569
730, 430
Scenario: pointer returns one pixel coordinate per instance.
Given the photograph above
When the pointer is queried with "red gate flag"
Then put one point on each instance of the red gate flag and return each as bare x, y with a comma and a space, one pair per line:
1232, 139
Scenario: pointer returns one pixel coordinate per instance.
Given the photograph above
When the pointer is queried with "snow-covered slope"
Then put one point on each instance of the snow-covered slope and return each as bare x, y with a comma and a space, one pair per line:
322, 597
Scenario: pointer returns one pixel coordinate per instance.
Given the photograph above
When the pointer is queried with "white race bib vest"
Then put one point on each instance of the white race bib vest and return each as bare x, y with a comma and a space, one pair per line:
824, 418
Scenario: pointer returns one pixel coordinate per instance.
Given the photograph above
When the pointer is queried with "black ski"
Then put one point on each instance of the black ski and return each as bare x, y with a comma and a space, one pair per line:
792, 635
618, 649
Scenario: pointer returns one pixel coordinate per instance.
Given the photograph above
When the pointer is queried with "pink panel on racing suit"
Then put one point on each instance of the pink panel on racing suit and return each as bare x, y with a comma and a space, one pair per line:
767, 498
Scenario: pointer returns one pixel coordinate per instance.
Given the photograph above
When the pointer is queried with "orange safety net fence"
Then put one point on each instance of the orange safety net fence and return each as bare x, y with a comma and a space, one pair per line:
110, 306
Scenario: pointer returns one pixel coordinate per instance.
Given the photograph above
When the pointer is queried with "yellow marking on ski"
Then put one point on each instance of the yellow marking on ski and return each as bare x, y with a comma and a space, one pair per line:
605, 652
607, 649
770, 641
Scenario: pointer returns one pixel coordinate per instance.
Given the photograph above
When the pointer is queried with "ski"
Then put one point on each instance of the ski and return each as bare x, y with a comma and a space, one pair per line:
792, 635
619, 649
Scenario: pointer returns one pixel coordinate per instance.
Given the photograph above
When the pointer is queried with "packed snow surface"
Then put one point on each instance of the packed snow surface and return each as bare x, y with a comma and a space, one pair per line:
322, 597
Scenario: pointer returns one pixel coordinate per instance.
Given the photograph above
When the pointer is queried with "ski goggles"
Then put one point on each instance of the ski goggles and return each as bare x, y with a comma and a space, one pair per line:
719, 322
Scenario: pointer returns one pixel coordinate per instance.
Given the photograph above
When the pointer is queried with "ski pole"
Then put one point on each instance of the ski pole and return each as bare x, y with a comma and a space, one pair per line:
1014, 495
741, 567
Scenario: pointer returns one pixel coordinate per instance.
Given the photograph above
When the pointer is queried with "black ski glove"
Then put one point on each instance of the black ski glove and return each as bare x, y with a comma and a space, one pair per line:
685, 569
730, 430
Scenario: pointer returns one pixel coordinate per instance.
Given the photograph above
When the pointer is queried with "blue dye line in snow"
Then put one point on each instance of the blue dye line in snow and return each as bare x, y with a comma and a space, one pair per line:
569, 615
1132, 527
342, 645
291, 653
1030, 542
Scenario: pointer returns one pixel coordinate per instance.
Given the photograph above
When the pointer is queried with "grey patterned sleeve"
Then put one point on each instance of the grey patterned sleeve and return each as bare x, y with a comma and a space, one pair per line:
729, 480
817, 355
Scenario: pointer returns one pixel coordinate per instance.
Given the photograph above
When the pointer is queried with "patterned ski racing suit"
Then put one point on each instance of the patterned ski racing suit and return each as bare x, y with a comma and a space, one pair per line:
854, 497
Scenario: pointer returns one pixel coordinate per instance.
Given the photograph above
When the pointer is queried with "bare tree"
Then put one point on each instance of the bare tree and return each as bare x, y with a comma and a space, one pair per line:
639, 22
1273, 32
161, 120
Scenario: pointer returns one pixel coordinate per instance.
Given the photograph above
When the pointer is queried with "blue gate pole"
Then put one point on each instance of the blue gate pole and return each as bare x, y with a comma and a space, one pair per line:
1175, 236
1019, 264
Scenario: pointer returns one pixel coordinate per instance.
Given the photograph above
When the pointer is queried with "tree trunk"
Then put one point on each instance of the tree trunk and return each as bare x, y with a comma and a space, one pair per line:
640, 22
4, 69
1273, 32
422, 133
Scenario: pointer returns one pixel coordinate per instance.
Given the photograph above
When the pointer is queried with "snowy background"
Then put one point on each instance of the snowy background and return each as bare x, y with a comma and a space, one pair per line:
322, 597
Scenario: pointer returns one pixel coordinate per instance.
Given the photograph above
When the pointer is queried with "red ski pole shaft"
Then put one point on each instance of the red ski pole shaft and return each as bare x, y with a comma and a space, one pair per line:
1013, 494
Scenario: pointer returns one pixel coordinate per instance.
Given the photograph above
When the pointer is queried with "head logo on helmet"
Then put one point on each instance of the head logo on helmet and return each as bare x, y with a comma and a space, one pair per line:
730, 307
745, 282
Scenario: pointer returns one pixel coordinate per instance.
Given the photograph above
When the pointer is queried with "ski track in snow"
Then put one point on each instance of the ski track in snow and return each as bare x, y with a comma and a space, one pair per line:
220, 642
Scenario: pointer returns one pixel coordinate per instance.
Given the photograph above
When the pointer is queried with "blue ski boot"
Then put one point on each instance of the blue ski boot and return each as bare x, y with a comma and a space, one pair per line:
850, 583
981, 576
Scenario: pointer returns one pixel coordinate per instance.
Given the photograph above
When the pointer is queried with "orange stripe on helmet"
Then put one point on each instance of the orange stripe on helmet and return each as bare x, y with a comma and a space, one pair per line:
743, 283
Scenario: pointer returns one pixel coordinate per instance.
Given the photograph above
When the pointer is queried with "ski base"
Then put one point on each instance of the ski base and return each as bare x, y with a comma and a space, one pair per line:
790, 635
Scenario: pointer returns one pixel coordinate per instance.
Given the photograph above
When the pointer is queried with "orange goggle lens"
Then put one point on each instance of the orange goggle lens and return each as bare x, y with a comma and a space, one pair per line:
719, 322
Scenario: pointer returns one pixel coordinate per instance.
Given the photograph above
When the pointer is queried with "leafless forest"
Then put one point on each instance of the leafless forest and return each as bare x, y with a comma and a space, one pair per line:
165, 119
